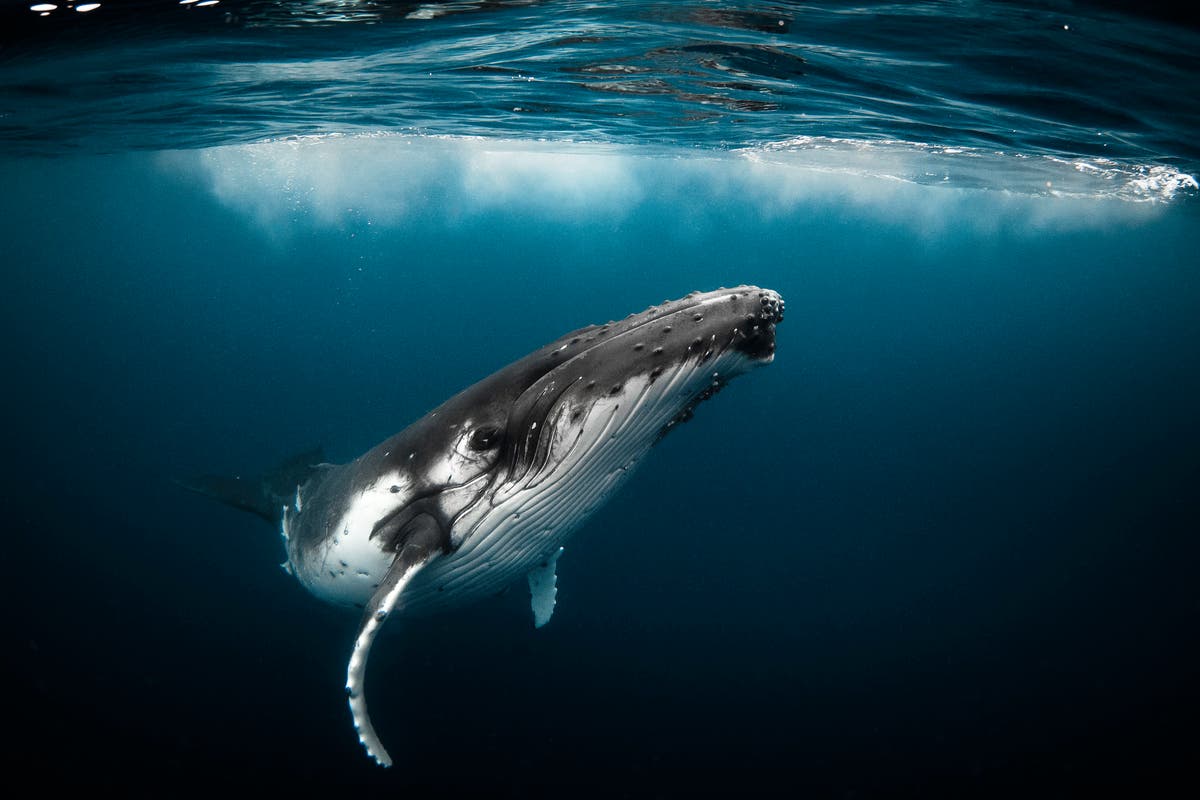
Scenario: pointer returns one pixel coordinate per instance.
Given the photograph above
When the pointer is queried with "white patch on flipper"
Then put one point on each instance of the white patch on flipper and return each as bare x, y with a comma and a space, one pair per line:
357, 668
543, 589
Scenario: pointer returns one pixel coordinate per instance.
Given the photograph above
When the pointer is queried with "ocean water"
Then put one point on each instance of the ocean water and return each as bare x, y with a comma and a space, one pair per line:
945, 545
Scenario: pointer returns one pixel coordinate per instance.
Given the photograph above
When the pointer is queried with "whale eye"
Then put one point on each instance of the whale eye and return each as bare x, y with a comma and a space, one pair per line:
485, 439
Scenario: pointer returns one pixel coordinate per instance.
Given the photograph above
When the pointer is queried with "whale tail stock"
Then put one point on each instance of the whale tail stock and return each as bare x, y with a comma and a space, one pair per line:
263, 495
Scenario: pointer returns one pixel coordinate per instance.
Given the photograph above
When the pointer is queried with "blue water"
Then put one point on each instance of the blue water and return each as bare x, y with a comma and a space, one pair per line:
944, 545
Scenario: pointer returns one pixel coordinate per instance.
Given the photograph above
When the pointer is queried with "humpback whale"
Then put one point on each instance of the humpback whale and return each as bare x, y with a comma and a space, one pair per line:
486, 488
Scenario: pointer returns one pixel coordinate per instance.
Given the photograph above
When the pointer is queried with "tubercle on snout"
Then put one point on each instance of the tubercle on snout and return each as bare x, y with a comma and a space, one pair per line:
696, 308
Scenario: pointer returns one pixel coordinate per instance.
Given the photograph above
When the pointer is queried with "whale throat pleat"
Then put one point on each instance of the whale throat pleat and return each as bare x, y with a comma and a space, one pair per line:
531, 521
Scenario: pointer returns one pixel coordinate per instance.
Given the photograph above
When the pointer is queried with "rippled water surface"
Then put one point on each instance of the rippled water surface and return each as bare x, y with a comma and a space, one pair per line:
1033, 91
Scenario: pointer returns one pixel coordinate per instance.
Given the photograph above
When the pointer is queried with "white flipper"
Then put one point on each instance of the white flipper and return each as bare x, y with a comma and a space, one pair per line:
377, 611
543, 588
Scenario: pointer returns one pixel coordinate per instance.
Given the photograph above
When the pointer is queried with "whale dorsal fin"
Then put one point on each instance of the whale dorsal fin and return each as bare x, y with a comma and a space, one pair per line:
423, 542
543, 588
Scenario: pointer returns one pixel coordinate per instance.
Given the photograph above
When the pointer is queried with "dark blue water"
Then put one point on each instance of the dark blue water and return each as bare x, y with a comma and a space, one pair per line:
944, 545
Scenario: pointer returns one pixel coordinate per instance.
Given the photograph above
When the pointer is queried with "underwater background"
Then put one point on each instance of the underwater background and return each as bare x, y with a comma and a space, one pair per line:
944, 545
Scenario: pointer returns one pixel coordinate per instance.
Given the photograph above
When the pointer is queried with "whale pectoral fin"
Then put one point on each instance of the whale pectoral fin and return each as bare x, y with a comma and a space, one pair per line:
421, 548
543, 588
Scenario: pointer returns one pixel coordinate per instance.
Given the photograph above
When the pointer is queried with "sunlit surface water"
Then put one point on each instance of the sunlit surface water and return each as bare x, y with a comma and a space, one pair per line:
944, 545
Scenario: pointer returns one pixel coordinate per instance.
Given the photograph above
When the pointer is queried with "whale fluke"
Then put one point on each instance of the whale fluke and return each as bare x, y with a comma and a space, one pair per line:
264, 495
